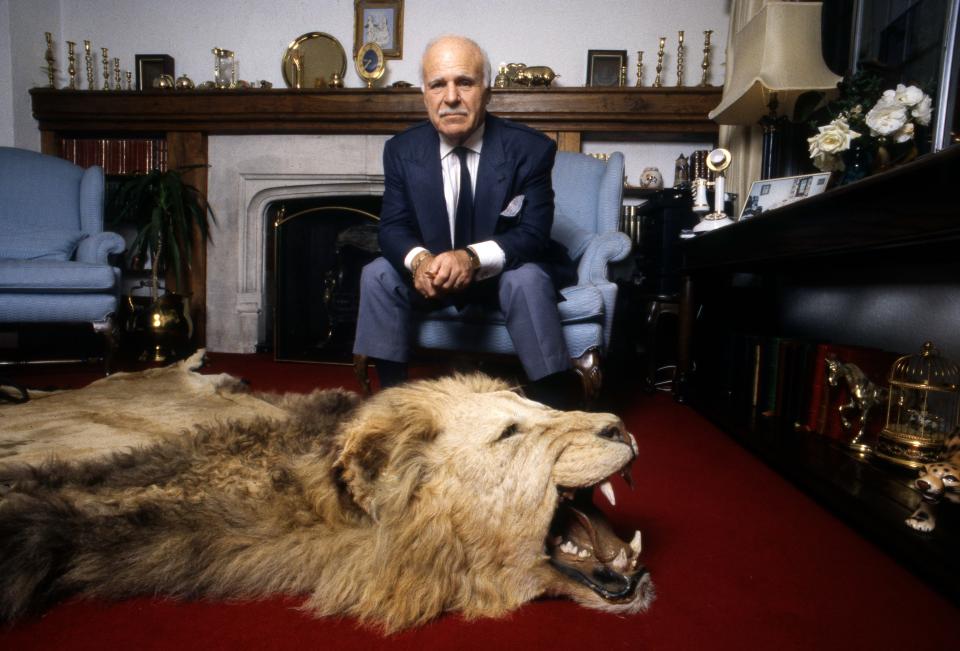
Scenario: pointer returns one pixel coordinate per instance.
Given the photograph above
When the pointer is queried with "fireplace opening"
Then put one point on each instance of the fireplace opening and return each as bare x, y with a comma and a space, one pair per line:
316, 248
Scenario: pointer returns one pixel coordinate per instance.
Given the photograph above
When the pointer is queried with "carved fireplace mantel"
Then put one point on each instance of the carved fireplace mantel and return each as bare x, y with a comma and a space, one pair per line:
186, 119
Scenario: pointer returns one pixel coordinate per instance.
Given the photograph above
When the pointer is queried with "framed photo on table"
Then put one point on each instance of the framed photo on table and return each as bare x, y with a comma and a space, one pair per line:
605, 67
772, 193
151, 66
380, 22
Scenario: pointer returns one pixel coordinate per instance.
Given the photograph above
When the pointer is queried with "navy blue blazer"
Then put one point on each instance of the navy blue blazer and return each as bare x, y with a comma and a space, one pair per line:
515, 161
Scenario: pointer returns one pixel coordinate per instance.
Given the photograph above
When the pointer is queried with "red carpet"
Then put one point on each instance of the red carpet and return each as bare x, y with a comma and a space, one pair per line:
741, 560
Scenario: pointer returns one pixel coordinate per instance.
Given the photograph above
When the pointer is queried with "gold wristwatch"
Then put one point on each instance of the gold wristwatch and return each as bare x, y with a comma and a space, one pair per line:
474, 258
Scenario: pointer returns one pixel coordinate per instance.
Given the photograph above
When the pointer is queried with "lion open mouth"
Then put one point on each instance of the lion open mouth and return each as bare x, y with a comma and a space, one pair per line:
583, 547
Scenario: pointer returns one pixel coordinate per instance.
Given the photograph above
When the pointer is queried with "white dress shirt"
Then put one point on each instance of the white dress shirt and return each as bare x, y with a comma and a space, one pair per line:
489, 252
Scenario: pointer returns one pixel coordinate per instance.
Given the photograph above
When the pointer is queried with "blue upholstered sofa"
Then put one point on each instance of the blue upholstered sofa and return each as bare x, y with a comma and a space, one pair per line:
53, 249
586, 220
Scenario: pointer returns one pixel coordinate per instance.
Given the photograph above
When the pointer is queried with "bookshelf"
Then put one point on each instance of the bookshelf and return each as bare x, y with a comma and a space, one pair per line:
890, 225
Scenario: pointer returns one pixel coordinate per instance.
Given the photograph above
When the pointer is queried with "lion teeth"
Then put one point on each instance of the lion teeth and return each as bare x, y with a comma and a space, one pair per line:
607, 489
583, 553
569, 548
621, 563
636, 544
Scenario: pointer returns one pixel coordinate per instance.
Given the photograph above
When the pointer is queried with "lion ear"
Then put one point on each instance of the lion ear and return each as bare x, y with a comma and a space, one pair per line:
385, 439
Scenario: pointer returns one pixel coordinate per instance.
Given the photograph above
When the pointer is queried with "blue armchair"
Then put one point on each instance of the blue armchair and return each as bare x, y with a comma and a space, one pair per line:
586, 219
53, 249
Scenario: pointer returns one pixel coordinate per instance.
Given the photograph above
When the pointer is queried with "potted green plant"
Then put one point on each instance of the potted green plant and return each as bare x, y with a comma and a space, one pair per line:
165, 210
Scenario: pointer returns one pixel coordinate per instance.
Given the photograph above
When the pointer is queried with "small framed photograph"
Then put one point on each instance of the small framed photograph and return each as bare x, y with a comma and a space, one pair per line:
604, 67
773, 193
151, 66
380, 22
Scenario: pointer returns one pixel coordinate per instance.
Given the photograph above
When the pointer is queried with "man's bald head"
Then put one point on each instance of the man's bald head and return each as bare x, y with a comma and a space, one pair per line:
456, 75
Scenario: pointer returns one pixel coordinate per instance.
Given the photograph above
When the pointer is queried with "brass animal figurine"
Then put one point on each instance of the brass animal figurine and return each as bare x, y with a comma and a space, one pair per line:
864, 396
520, 74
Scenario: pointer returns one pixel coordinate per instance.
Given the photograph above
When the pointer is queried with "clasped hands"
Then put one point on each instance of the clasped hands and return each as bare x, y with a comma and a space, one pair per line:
449, 272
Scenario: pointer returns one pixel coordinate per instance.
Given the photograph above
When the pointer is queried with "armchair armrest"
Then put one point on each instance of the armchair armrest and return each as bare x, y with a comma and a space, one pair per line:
98, 246
603, 249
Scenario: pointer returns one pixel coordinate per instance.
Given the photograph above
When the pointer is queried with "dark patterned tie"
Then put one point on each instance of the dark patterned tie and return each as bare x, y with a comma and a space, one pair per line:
463, 220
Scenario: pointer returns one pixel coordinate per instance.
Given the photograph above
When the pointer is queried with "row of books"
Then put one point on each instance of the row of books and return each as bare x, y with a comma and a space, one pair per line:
786, 379
116, 155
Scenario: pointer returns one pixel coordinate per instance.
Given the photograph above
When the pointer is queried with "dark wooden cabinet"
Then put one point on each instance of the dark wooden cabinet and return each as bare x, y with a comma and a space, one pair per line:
900, 226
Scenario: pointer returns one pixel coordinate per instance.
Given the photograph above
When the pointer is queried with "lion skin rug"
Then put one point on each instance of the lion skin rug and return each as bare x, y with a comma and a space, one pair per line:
454, 494
124, 410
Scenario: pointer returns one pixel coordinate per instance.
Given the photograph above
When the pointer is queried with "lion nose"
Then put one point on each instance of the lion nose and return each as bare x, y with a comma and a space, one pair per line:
923, 484
616, 433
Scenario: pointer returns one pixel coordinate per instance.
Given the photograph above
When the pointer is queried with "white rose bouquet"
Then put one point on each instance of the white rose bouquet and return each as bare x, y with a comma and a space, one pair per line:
893, 118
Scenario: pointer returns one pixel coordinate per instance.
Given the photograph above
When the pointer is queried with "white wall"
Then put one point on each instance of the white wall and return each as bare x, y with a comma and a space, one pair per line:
557, 34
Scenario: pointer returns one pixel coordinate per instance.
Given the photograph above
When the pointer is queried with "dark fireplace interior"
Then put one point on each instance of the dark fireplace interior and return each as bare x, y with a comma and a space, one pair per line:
316, 248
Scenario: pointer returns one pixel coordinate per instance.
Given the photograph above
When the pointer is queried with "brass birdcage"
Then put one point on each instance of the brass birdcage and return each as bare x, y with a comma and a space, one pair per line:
923, 407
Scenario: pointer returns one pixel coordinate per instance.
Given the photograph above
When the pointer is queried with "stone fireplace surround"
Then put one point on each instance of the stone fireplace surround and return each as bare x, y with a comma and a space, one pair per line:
246, 174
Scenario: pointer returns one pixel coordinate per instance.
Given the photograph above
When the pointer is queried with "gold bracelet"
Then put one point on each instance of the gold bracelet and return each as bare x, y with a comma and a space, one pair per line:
417, 261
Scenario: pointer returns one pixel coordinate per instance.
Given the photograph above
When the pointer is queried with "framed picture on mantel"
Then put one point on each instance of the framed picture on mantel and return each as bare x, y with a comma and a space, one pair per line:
380, 22
605, 67
151, 66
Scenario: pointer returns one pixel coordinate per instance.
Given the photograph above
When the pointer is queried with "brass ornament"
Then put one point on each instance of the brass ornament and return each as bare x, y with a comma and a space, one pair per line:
106, 68
51, 61
706, 58
72, 65
116, 74
184, 82
639, 68
369, 63
680, 59
658, 81
88, 59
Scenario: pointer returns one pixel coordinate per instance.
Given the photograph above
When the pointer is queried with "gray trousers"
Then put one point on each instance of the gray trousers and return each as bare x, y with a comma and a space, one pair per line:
526, 297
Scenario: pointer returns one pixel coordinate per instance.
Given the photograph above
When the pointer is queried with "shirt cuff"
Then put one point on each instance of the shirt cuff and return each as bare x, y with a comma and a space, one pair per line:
491, 257
408, 261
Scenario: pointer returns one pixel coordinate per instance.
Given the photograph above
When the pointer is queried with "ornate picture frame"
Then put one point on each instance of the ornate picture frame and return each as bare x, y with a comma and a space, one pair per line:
605, 67
380, 22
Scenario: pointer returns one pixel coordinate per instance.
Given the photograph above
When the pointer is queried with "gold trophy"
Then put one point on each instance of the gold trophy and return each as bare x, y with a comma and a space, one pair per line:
106, 68
72, 64
706, 58
680, 60
658, 82
51, 62
88, 59
639, 68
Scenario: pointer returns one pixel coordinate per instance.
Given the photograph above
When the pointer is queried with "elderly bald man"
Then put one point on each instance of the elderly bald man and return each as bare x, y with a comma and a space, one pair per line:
467, 212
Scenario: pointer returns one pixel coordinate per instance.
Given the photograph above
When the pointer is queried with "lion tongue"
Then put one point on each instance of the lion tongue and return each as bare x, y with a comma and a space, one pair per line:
588, 527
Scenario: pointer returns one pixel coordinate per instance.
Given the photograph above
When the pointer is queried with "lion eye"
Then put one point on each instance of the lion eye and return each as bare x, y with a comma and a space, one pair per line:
508, 431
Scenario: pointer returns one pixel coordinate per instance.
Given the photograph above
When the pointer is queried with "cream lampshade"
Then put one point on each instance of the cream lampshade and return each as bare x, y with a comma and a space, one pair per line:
773, 60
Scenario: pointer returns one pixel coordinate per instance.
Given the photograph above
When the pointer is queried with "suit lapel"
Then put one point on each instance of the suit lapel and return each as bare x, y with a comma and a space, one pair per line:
492, 180
426, 187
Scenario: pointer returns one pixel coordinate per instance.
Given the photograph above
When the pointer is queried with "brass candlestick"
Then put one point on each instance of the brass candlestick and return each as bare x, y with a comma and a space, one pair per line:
51, 61
72, 64
116, 74
680, 60
658, 82
88, 59
106, 68
706, 58
623, 75
129, 76
639, 68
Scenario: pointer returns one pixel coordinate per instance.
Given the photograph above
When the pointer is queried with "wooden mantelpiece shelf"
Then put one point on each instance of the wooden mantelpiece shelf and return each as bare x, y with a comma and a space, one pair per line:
187, 118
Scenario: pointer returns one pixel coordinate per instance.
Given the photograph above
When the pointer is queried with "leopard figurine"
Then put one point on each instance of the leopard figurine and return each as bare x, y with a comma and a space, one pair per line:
937, 481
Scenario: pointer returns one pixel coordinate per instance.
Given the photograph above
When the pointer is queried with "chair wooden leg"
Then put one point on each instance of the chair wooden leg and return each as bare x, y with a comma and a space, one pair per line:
361, 365
587, 367
108, 330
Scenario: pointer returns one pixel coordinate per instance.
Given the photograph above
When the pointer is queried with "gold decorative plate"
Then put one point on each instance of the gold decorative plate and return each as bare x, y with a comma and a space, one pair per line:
311, 61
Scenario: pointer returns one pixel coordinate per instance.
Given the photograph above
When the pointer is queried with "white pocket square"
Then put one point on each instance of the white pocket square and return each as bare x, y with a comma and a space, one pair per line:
513, 208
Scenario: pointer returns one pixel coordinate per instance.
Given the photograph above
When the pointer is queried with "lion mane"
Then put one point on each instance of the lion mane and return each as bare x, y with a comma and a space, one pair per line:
455, 494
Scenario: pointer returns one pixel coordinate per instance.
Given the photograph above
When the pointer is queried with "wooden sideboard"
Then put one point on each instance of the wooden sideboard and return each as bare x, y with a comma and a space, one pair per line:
186, 119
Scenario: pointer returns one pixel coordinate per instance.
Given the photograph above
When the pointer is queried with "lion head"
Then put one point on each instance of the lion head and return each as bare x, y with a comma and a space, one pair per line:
480, 500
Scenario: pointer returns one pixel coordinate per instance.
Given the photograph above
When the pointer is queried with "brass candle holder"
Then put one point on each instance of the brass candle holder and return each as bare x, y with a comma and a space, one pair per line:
72, 65
639, 68
116, 74
658, 81
51, 61
88, 59
623, 75
680, 60
106, 68
129, 76
706, 58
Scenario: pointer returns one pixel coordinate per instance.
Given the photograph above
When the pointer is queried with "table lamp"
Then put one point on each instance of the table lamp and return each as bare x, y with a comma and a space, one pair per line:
773, 60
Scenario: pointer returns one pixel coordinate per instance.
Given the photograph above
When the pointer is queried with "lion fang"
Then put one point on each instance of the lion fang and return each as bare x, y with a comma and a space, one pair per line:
607, 489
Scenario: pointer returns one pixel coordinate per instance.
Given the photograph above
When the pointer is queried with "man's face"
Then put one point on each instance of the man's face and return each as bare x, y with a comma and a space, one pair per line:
453, 88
